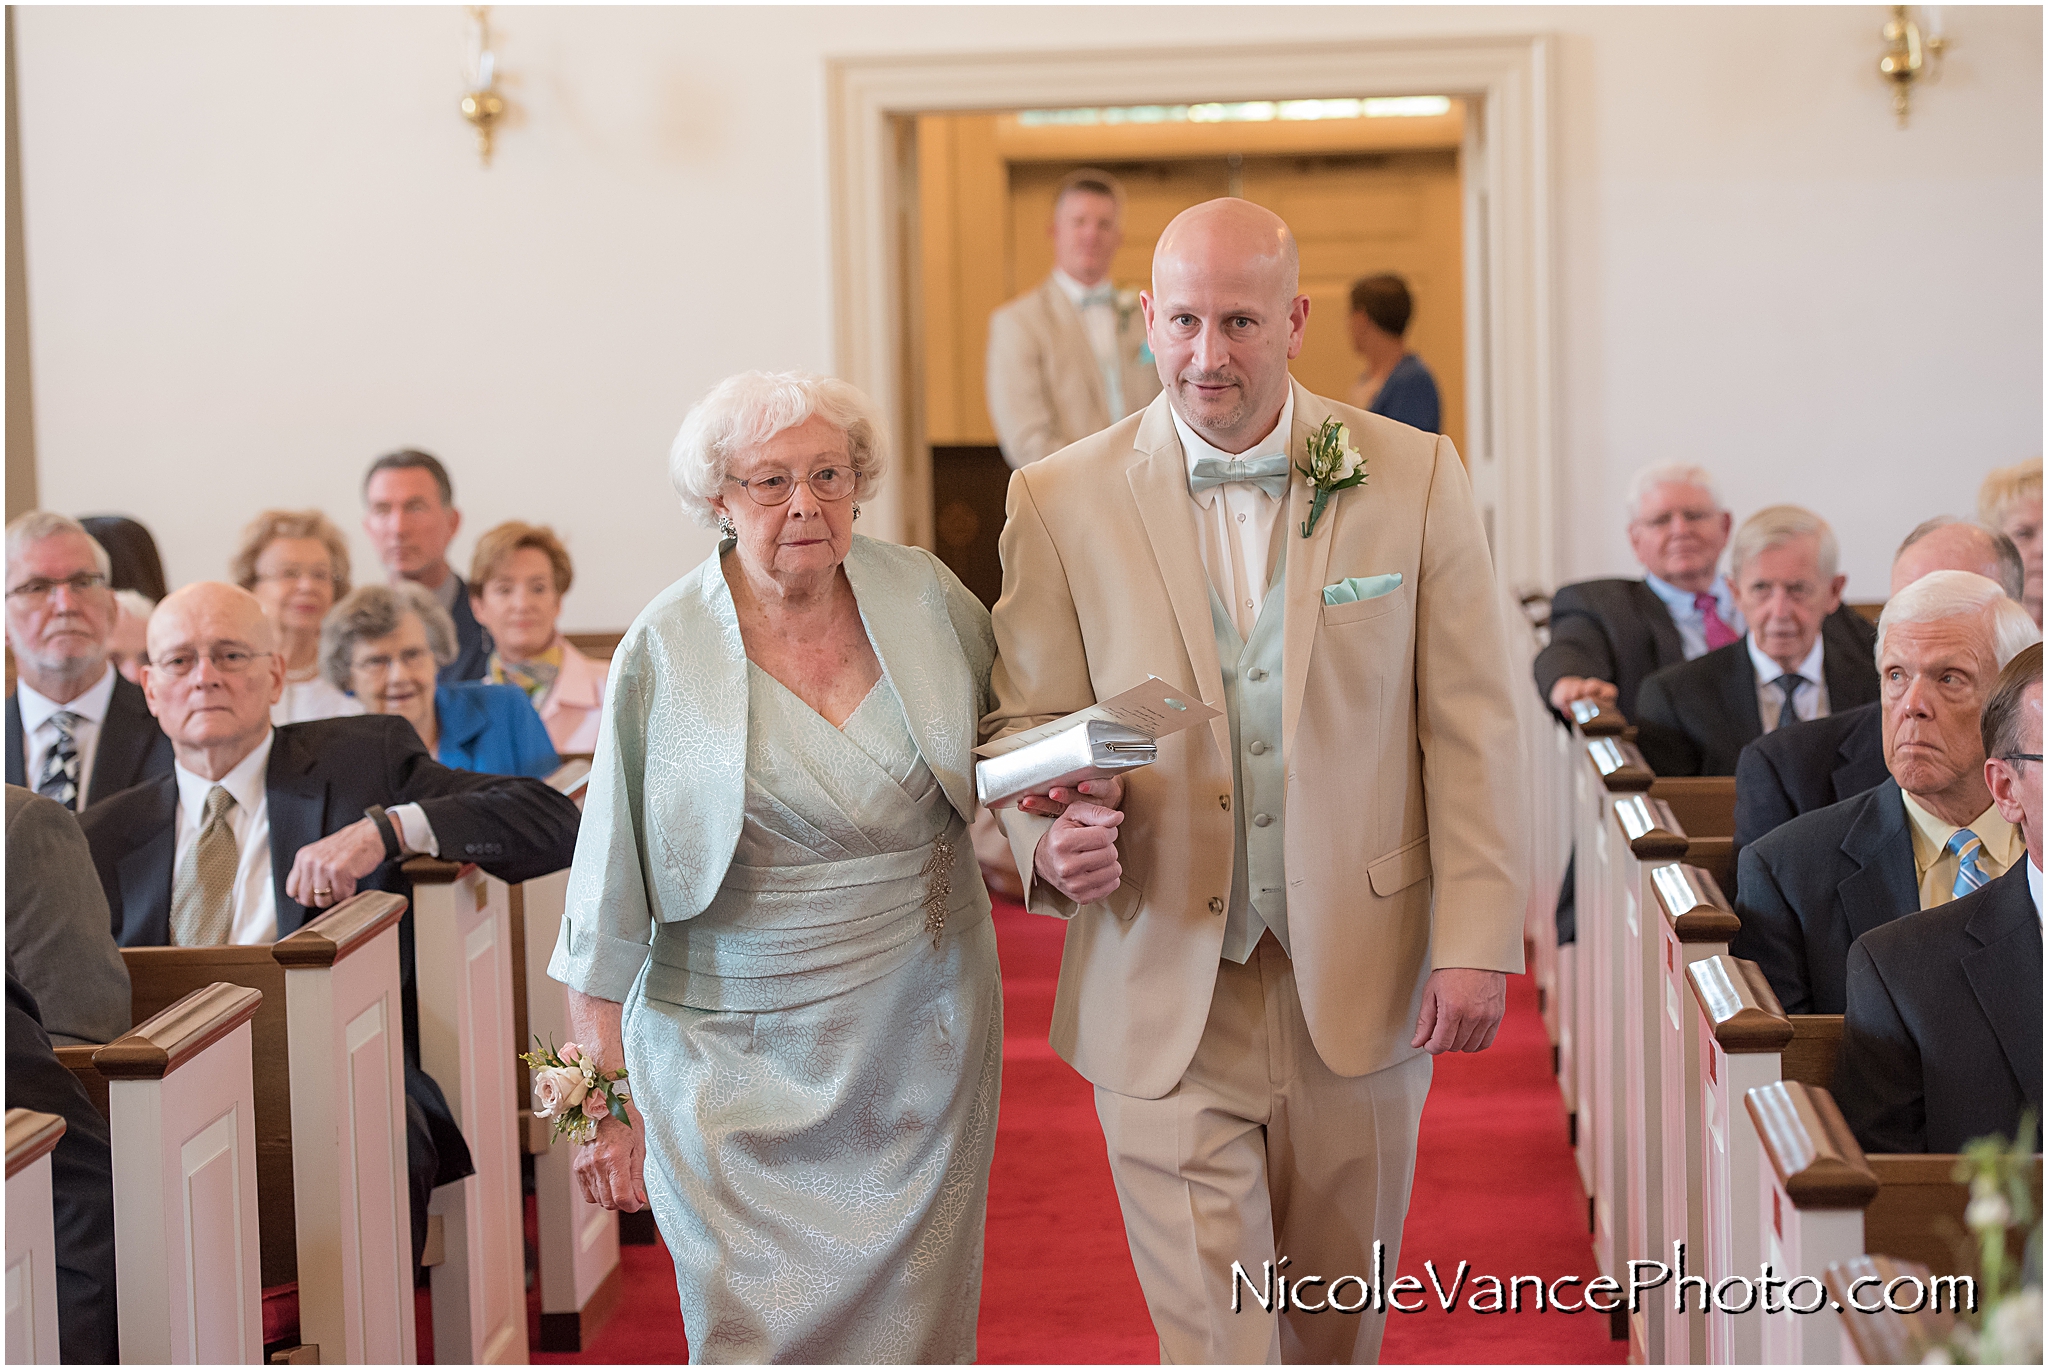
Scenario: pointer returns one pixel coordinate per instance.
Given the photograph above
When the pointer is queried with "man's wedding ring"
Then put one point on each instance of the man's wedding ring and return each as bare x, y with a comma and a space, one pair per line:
318, 893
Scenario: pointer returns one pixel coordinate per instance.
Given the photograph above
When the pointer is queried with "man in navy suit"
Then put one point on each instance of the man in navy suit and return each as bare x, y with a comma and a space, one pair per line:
257, 829
1807, 766
1926, 835
409, 512
1803, 657
1942, 1040
76, 731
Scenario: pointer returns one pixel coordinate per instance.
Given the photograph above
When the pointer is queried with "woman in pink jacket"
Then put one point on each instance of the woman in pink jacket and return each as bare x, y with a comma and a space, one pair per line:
517, 579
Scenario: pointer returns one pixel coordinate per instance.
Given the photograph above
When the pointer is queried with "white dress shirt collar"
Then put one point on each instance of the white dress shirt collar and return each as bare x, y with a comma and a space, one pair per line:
246, 782
1194, 447
2034, 885
1075, 291
1806, 704
91, 706
1768, 670
254, 919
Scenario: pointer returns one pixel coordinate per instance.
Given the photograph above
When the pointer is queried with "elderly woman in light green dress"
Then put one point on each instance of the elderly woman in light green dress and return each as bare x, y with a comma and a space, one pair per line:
775, 913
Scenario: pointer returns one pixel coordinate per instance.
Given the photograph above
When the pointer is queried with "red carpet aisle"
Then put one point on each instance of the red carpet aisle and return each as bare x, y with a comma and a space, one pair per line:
1495, 1187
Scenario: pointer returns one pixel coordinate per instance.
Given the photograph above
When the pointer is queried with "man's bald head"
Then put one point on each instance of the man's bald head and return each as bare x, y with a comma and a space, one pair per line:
212, 676
209, 608
1224, 316
1950, 544
1231, 234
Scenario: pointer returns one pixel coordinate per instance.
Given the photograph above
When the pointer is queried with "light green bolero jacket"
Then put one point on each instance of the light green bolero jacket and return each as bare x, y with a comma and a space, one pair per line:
668, 782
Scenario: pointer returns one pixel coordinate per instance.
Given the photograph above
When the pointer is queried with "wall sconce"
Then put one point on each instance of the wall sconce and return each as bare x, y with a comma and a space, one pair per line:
482, 106
1911, 53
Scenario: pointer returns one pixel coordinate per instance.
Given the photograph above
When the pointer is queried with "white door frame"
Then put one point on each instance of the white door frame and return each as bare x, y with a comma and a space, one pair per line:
1507, 168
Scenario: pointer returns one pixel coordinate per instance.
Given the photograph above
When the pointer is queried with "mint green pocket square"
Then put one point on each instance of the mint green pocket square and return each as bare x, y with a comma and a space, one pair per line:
1355, 588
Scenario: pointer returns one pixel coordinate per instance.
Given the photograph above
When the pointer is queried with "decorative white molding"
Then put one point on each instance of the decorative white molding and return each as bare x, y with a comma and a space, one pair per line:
1509, 240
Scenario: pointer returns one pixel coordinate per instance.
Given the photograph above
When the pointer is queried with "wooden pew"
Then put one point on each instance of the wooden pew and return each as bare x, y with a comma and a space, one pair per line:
1816, 1188
1885, 1337
31, 1238
579, 1242
1695, 924
1649, 841
1704, 805
329, 1116
464, 961
1577, 800
183, 1122
346, 1044
1746, 1041
1608, 768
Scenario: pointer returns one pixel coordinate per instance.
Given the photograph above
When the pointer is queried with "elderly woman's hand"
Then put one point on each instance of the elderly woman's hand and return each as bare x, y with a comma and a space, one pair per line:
612, 1168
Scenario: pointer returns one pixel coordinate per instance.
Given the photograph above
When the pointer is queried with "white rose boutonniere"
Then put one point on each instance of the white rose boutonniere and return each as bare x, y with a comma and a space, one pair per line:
1333, 465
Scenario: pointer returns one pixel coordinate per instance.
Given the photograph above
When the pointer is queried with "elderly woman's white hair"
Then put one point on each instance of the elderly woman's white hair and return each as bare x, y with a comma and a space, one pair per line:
1951, 594
1778, 525
373, 611
747, 410
1667, 473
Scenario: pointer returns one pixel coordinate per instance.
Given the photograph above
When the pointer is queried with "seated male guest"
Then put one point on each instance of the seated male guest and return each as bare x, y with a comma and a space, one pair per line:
1606, 636
385, 642
81, 1185
1805, 655
519, 575
260, 828
1942, 1042
58, 936
1926, 835
76, 731
409, 512
1807, 766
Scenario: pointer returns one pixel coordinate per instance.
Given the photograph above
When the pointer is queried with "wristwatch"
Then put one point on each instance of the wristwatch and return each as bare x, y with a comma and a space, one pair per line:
388, 829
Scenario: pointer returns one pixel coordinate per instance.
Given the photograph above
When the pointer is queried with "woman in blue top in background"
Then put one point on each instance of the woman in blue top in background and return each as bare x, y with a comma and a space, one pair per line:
1395, 382
384, 643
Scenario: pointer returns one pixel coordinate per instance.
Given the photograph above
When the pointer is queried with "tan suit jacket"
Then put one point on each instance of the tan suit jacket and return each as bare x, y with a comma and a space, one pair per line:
1045, 389
1398, 732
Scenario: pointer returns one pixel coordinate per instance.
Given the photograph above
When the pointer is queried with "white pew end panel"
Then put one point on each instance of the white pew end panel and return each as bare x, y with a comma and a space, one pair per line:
31, 1238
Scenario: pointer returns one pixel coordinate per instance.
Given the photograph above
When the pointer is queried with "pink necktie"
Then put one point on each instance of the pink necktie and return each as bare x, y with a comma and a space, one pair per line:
1719, 634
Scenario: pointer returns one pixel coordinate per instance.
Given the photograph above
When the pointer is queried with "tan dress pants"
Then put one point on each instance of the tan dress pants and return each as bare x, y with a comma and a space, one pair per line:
1261, 1152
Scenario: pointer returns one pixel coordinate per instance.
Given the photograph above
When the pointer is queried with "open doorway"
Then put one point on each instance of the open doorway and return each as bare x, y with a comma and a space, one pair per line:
1367, 185
1507, 87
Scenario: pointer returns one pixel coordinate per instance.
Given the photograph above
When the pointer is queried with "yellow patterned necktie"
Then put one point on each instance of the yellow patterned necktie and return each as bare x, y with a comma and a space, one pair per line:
203, 895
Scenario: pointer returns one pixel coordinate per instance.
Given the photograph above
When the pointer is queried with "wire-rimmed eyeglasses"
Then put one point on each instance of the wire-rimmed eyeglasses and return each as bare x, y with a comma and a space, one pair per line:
829, 485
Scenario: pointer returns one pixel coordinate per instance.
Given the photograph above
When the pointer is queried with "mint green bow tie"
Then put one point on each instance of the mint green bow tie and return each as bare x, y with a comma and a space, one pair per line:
1268, 473
1101, 294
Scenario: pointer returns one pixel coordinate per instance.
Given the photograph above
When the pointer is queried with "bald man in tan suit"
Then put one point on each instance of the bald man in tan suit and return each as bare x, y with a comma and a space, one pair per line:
1274, 927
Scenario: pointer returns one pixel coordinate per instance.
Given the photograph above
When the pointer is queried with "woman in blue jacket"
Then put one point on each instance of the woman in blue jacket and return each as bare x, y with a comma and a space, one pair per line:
384, 644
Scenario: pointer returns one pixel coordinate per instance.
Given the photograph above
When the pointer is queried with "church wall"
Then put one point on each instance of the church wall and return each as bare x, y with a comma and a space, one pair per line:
260, 252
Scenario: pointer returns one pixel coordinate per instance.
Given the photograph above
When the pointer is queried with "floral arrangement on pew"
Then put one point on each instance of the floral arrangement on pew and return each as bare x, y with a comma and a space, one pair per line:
2008, 1329
575, 1091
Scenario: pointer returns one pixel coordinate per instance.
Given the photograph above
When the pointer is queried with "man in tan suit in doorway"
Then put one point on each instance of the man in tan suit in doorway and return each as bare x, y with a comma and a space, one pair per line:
1068, 358
1273, 927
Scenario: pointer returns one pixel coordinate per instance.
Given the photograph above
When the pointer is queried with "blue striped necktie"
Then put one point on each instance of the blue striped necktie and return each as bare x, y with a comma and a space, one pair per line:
1970, 873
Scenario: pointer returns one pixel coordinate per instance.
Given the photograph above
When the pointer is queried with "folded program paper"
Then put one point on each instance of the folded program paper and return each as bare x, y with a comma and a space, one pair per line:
1116, 735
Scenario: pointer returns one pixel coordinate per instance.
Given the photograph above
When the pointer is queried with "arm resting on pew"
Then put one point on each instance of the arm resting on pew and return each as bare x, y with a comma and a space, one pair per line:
610, 1169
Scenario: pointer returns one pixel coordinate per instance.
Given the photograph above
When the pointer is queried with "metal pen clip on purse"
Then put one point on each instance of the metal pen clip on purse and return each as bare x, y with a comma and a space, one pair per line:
1090, 750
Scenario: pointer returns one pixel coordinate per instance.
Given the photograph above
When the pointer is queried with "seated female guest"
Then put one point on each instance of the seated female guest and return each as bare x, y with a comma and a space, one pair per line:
385, 642
517, 579
296, 564
775, 917
2010, 501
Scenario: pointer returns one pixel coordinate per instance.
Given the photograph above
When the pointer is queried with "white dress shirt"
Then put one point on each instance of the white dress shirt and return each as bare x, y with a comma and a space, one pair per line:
1098, 321
39, 734
1235, 523
255, 898
1810, 703
255, 907
2034, 886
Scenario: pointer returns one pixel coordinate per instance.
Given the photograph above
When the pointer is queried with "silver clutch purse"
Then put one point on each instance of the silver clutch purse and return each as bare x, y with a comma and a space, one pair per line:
1090, 750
